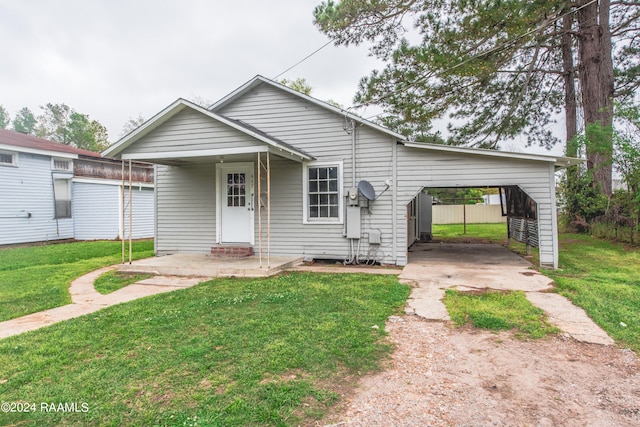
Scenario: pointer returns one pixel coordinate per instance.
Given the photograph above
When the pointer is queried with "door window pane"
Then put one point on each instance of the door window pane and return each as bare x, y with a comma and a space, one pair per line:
236, 190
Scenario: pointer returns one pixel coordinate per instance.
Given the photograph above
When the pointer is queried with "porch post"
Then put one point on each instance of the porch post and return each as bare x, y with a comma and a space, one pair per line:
268, 210
130, 212
260, 208
122, 211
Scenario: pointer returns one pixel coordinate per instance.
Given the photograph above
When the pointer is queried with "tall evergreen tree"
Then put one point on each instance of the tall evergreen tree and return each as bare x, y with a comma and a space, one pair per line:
497, 68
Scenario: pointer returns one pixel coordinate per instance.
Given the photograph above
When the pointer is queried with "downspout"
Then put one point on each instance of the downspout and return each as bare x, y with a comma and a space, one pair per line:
394, 201
353, 154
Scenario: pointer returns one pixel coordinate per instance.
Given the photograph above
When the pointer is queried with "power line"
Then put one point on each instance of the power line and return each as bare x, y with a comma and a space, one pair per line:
304, 59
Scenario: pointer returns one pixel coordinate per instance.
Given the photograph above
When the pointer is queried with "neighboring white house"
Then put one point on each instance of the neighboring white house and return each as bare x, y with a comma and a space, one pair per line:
324, 182
52, 191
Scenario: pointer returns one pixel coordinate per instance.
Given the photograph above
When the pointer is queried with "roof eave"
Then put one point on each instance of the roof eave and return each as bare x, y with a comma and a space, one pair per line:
559, 162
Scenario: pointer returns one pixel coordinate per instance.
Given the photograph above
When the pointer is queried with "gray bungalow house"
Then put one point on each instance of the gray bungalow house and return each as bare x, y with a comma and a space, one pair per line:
267, 168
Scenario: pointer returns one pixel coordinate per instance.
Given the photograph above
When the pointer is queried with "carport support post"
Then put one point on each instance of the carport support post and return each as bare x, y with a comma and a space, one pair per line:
260, 208
130, 213
122, 211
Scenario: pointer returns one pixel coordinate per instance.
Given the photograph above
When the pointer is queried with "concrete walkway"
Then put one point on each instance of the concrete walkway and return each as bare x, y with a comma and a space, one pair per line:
85, 299
434, 267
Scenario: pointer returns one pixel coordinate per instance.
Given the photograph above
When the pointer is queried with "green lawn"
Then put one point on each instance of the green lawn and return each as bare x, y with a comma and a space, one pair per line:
113, 280
228, 352
37, 278
604, 279
490, 233
497, 311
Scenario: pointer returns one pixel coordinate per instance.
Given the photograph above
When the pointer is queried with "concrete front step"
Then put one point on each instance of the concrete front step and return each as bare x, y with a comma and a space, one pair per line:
231, 251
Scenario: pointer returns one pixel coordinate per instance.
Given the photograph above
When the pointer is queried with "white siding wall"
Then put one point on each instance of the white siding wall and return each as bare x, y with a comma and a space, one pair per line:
29, 189
143, 212
96, 211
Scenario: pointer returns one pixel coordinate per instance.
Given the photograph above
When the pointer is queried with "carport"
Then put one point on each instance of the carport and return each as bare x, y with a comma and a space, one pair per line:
529, 180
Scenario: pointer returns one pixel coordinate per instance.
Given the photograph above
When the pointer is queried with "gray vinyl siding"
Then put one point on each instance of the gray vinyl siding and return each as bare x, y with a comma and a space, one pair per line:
190, 130
96, 211
320, 133
419, 168
186, 208
26, 189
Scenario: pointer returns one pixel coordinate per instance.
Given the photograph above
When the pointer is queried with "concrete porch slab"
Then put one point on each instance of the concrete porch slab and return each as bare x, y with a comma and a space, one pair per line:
204, 265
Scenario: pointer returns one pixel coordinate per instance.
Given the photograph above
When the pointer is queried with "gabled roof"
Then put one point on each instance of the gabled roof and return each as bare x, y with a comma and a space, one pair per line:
12, 140
178, 106
558, 161
258, 80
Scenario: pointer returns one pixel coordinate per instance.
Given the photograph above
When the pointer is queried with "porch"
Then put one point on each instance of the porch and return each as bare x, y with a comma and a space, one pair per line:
205, 265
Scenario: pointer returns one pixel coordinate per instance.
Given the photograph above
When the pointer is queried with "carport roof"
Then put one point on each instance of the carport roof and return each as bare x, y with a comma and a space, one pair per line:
558, 161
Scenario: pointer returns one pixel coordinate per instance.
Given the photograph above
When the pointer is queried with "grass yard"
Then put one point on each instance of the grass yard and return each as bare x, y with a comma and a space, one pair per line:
604, 279
487, 233
113, 280
497, 311
38, 277
228, 352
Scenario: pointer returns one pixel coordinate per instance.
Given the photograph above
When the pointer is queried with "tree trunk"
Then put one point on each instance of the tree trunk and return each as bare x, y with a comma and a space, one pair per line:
596, 81
570, 103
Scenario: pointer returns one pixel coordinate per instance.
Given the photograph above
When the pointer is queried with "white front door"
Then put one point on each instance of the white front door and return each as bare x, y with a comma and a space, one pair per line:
235, 202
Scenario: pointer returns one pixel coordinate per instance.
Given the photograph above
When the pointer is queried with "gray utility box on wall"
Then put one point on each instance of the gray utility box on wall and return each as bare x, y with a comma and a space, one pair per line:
353, 222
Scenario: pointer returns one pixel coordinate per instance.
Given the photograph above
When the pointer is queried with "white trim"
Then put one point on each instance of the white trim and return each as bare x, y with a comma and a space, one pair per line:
557, 161
114, 182
195, 153
305, 193
251, 198
14, 156
19, 149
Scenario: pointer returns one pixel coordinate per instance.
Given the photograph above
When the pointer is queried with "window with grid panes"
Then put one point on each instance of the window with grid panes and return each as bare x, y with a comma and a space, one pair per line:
323, 192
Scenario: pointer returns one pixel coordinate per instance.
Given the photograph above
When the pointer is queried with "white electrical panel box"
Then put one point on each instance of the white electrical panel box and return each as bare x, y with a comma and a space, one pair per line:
353, 222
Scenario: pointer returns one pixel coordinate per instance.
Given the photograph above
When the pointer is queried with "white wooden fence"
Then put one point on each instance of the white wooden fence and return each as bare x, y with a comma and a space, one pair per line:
475, 214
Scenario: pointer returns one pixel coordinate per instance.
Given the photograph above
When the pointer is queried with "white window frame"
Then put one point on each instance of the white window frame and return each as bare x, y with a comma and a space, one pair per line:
14, 158
69, 163
305, 192
68, 200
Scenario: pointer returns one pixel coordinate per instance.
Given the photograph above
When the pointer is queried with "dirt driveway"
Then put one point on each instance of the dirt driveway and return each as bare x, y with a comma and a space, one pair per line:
442, 376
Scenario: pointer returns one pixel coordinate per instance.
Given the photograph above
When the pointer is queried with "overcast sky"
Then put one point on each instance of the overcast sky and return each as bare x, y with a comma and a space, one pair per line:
116, 59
